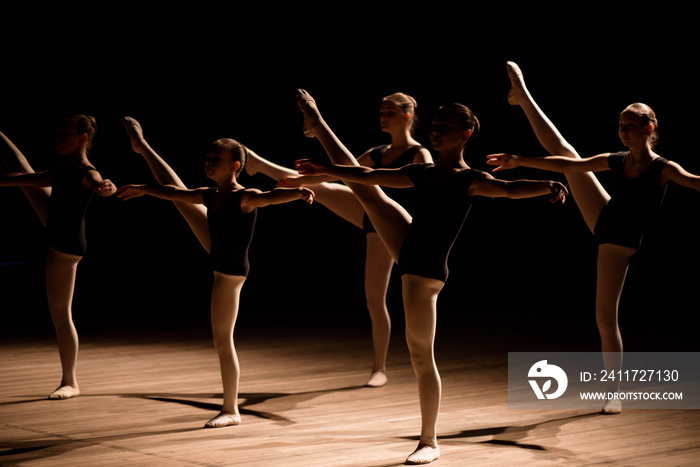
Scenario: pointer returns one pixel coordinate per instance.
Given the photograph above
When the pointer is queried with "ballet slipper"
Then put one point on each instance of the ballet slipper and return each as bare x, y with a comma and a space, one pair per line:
612, 407
251, 165
516, 82
312, 117
424, 455
64, 392
223, 419
376, 380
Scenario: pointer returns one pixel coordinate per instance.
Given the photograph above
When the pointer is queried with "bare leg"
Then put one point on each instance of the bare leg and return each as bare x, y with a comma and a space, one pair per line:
613, 262
420, 303
378, 265
15, 161
61, 269
590, 197
420, 294
339, 199
224, 311
389, 218
589, 194
194, 214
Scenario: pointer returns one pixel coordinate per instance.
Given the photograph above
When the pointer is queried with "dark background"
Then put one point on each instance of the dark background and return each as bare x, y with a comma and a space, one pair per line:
518, 265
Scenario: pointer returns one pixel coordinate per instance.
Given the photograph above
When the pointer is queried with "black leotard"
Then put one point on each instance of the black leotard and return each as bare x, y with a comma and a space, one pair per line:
633, 203
402, 196
442, 204
65, 221
231, 232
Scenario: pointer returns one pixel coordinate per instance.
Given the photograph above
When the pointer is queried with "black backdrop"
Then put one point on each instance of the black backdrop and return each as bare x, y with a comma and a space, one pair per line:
517, 264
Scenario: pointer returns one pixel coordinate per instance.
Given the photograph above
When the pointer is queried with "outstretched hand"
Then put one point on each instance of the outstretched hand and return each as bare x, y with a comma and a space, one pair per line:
309, 167
106, 188
128, 192
306, 195
559, 193
503, 161
290, 182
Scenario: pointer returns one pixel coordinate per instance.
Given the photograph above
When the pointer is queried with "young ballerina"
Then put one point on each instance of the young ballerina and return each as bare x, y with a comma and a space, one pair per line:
397, 117
223, 220
60, 198
420, 244
618, 221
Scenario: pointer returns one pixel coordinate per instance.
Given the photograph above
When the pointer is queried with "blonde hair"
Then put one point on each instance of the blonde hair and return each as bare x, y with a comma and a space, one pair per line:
407, 104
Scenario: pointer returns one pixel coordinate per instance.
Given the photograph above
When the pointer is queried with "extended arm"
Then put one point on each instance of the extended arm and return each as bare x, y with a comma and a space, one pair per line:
677, 174
552, 163
169, 192
254, 198
96, 183
517, 189
396, 178
305, 180
34, 179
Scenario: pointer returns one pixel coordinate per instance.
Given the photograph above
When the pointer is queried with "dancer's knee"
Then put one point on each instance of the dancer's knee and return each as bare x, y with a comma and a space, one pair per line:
62, 321
378, 311
223, 343
375, 298
606, 320
421, 350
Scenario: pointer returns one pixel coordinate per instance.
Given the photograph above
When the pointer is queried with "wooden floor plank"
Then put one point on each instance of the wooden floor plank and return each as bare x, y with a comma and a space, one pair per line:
146, 397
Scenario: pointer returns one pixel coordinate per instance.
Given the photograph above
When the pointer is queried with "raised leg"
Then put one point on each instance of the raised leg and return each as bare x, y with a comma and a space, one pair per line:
15, 161
586, 190
338, 198
389, 218
194, 214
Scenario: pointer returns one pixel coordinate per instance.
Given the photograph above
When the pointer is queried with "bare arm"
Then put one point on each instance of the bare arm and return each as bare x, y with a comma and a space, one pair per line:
396, 178
35, 179
96, 183
305, 180
675, 173
254, 198
517, 189
423, 157
552, 163
169, 192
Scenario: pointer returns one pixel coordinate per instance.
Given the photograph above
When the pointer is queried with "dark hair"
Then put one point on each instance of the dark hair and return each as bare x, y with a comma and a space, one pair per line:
236, 150
83, 124
463, 114
648, 118
407, 104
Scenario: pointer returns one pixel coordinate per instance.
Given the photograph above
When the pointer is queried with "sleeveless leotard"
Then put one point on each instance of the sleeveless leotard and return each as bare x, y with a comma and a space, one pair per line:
65, 221
403, 196
633, 203
442, 204
231, 232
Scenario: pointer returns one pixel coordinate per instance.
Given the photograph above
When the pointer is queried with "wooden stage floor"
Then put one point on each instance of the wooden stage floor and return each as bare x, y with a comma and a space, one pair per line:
145, 398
